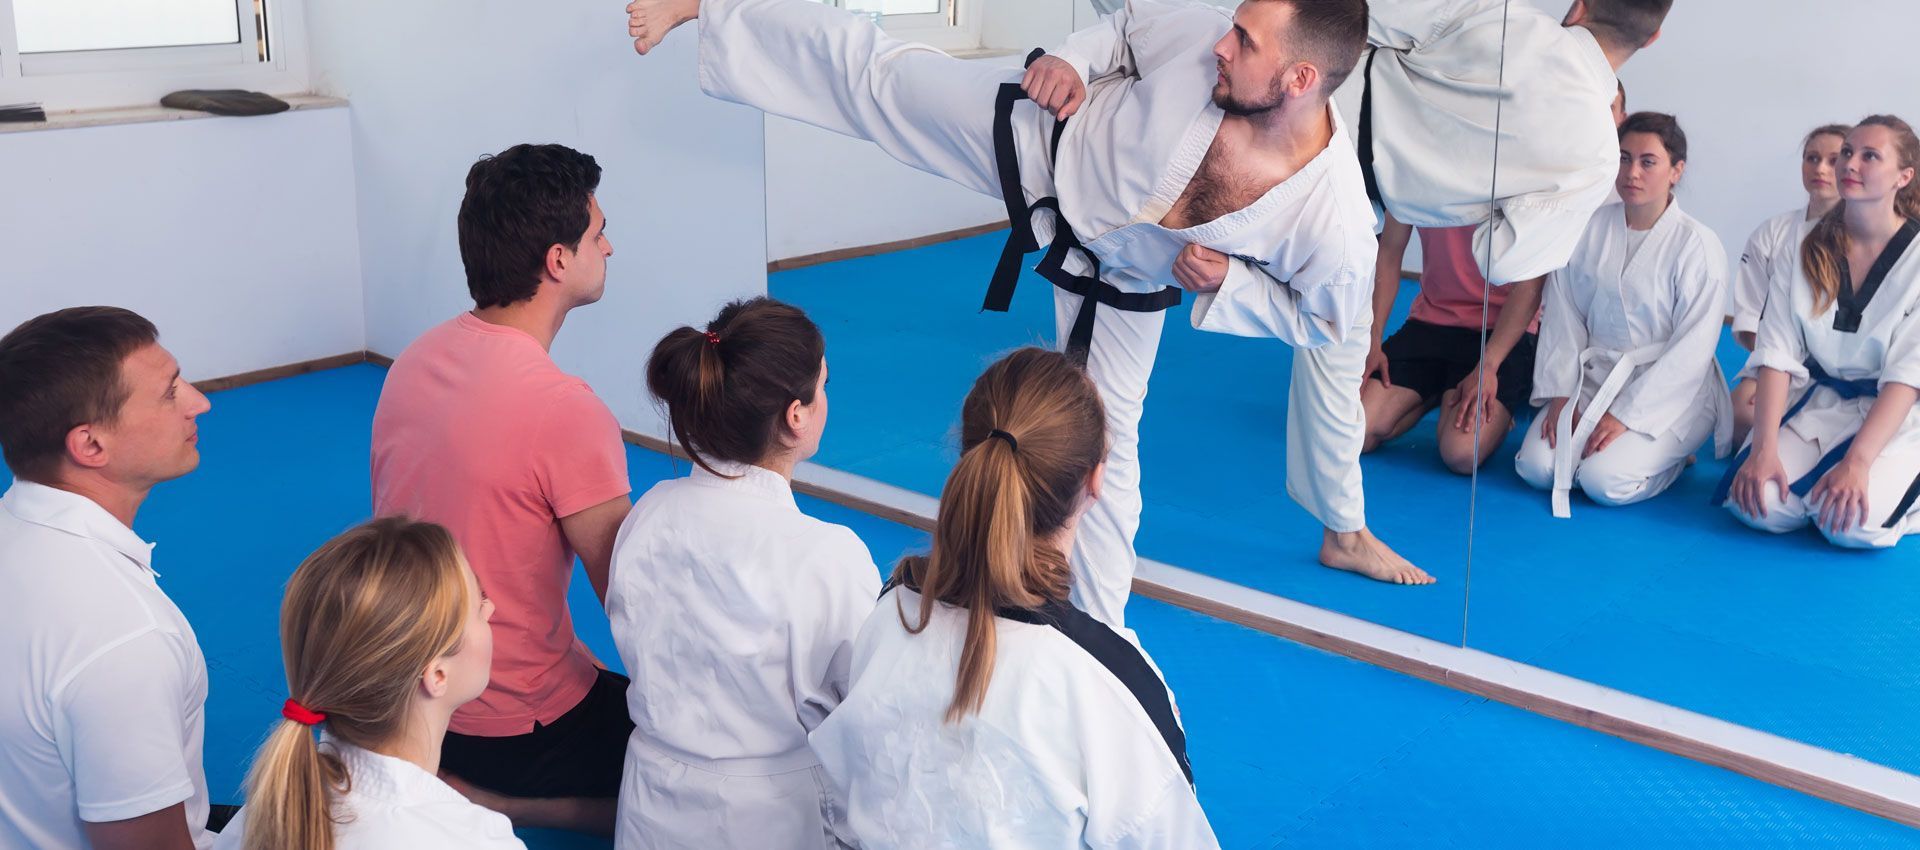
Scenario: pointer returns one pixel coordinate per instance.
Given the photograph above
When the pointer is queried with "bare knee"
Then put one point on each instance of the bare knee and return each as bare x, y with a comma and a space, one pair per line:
1459, 456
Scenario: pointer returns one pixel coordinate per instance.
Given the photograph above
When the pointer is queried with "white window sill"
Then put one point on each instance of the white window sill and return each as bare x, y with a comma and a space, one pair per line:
149, 114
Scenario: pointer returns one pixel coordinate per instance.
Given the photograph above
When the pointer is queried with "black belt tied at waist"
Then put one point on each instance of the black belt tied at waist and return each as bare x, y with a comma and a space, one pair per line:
1022, 241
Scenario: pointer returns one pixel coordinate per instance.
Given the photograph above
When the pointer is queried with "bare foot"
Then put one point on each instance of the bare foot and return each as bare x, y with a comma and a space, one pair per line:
649, 21
1361, 552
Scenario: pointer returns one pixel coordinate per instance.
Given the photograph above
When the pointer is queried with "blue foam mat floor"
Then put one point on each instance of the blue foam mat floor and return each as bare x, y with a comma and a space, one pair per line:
1782, 633
1292, 747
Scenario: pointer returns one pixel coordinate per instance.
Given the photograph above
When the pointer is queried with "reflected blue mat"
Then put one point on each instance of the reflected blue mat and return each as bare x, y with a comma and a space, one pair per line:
1670, 599
1292, 747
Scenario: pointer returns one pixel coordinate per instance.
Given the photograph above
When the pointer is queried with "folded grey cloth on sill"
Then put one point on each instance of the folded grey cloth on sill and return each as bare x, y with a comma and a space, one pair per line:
225, 102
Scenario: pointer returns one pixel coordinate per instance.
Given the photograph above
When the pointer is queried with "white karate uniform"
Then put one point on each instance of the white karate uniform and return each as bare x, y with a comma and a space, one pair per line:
1885, 349
1124, 159
1633, 336
734, 614
1061, 755
1436, 69
1772, 251
394, 804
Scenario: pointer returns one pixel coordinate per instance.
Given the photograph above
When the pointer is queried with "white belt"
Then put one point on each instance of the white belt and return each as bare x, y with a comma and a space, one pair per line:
787, 762
1568, 439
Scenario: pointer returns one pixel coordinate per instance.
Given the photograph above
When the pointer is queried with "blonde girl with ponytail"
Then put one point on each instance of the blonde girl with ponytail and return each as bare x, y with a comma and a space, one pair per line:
985, 710
1844, 456
384, 633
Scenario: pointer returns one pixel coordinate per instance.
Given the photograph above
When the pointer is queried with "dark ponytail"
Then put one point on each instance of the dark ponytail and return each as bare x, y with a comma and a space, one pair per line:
727, 388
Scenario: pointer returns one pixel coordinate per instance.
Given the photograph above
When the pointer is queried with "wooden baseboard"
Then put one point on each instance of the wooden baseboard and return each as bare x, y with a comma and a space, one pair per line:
380, 360
258, 376
882, 248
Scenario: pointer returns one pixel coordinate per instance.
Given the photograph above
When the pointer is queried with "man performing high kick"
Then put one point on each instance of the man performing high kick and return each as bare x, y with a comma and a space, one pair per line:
1201, 152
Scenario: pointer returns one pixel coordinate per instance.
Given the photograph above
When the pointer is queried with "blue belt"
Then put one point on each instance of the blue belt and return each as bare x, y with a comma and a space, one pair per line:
1849, 390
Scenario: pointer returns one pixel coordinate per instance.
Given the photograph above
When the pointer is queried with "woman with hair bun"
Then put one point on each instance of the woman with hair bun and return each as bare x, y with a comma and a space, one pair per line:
734, 612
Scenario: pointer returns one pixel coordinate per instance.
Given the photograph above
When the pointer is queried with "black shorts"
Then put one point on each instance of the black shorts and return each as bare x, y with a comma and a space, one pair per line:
1431, 359
580, 754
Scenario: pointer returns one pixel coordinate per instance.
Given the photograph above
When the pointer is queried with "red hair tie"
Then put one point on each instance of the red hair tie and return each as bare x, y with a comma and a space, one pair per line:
300, 714
713, 338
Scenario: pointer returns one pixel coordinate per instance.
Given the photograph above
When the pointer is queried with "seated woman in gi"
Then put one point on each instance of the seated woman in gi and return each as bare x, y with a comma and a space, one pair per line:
987, 711
734, 612
1773, 251
1626, 364
385, 633
1844, 455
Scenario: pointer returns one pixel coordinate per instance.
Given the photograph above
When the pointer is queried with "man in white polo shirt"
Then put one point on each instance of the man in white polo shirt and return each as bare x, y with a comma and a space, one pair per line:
101, 680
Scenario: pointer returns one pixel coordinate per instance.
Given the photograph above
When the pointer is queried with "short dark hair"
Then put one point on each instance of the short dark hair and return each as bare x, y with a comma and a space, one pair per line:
727, 387
521, 202
1660, 124
1626, 23
1330, 34
59, 371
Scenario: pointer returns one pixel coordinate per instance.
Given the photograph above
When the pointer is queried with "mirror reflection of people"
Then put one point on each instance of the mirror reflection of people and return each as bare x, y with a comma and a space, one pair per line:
985, 710
1199, 153
1845, 455
1773, 250
1626, 369
734, 612
1433, 85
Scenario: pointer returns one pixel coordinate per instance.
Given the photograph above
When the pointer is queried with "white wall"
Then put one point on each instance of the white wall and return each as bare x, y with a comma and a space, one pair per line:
435, 84
234, 235
1749, 78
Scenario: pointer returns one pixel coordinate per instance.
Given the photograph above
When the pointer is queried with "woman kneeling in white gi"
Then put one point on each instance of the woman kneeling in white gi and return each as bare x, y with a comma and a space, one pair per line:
1846, 454
385, 633
734, 612
1627, 338
986, 711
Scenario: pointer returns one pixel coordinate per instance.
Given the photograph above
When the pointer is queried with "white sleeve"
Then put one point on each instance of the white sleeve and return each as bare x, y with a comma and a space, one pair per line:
1169, 820
1563, 336
1130, 40
121, 726
1780, 345
1409, 24
1903, 353
1669, 388
846, 585
1749, 289
1536, 234
1256, 304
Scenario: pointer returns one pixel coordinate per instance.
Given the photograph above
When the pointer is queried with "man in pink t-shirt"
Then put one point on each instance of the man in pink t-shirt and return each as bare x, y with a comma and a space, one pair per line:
1435, 359
478, 430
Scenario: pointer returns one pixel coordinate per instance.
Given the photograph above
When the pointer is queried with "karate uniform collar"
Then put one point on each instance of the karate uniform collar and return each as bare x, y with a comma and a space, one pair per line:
72, 513
757, 481
391, 780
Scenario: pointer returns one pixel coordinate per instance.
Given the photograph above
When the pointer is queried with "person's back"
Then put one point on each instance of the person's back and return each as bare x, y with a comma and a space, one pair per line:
1061, 752
475, 427
734, 612
102, 715
478, 430
985, 710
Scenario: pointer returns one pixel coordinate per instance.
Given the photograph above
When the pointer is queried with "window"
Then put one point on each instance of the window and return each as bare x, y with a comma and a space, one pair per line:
941, 23
82, 54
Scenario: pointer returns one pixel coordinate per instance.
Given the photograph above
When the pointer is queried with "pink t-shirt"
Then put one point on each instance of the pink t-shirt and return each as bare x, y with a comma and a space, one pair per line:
1451, 284
479, 431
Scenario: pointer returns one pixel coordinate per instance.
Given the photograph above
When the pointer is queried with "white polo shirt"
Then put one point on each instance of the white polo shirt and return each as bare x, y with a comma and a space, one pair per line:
102, 684
392, 804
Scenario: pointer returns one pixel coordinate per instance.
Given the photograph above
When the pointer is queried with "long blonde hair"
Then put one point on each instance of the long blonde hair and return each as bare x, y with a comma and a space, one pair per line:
363, 617
1826, 244
1032, 431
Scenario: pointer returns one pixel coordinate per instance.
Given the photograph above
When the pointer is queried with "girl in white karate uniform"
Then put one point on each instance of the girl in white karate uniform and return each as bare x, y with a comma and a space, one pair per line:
1626, 364
734, 612
987, 711
385, 633
1772, 252
1844, 454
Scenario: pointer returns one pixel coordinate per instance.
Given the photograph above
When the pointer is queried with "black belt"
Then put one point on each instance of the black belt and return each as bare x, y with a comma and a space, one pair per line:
1366, 133
1052, 267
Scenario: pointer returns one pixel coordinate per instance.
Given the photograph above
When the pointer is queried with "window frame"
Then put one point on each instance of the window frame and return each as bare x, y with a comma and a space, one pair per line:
955, 27
99, 79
